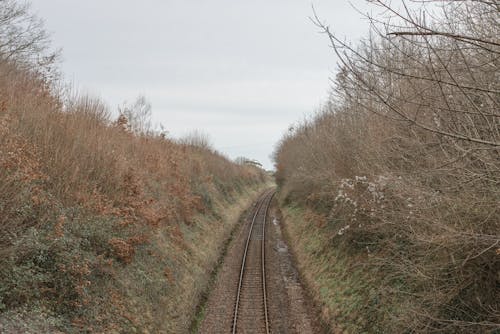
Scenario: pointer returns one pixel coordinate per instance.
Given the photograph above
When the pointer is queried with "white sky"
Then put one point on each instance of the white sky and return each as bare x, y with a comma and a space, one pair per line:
240, 71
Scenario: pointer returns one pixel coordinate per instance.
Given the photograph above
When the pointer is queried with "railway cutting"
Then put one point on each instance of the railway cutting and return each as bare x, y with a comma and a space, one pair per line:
258, 289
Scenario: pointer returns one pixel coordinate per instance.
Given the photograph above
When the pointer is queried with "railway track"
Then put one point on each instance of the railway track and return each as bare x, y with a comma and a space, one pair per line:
257, 288
251, 305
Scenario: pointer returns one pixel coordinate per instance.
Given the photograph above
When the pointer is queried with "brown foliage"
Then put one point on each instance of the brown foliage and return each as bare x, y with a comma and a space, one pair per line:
80, 191
122, 249
76, 192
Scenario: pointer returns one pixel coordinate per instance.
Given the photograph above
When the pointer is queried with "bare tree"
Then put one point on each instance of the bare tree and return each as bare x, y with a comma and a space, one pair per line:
414, 109
138, 115
449, 69
23, 38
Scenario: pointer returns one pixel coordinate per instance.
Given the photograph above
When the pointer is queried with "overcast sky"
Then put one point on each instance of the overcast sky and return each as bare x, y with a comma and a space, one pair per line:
241, 71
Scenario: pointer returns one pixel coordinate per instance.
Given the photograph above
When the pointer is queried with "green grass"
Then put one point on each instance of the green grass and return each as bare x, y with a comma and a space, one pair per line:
346, 293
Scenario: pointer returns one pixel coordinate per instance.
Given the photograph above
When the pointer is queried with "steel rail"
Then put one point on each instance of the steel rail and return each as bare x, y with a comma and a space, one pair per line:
243, 263
264, 260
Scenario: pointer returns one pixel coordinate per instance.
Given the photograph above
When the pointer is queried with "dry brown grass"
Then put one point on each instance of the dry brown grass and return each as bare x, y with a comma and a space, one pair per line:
83, 203
105, 225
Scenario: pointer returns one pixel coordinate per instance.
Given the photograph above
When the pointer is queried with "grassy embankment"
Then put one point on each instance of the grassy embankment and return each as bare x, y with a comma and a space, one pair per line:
391, 193
103, 229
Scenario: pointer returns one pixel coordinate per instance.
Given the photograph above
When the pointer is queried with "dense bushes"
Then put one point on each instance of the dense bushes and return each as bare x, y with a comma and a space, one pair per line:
98, 222
403, 163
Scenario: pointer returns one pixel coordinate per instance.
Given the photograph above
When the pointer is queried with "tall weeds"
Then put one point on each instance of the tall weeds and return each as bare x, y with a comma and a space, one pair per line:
95, 219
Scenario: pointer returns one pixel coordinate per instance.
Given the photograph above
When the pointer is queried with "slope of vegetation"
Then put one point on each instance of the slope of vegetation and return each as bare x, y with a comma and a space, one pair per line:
392, 191
103, 227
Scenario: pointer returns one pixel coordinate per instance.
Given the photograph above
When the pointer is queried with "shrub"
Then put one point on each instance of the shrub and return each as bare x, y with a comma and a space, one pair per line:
403, 163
